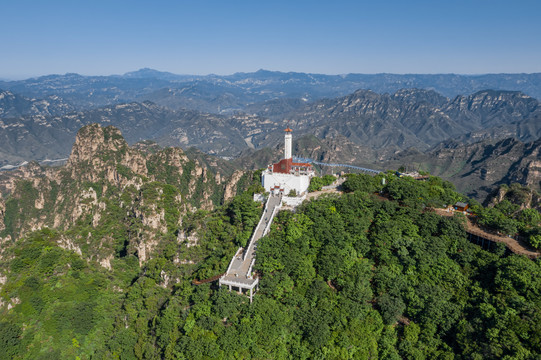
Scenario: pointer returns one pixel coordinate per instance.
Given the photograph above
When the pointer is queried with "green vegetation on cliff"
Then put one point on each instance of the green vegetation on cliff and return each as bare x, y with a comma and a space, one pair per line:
61, 303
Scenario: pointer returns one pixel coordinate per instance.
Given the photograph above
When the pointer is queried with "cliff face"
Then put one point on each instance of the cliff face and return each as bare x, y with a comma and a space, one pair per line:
517, 194
106, 190
2, 213
478, 168
414, 117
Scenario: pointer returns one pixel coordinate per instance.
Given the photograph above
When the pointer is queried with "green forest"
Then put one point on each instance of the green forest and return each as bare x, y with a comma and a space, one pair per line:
369, 274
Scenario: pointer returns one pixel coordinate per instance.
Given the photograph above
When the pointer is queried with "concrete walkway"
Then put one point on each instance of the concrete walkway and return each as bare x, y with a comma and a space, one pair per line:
239, 273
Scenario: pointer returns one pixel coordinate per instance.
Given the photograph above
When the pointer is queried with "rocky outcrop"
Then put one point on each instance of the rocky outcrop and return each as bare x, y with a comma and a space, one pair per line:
90, 140
97, 148
173, 157
533, 172
68, 244
106, 262
2, 213
231, 187
145, 248
479, 168
521, 195
121, 200
189, 240
84, 203
153, 217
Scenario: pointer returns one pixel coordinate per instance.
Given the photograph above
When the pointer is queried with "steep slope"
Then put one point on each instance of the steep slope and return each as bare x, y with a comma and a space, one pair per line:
412, 117
491, 108
346, 276
476, 169
13, 105
526, 130
400, 121
378, 126
79, 243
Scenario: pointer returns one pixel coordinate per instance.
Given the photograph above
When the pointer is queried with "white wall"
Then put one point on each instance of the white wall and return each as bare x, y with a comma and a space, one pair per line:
293, 201
286, 181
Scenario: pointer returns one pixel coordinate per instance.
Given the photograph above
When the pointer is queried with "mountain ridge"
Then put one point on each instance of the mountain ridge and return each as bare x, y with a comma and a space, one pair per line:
91, 91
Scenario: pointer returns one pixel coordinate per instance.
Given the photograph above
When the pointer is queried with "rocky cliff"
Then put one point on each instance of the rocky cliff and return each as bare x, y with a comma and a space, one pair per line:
477, 169
414, 117
522, 196
122, 200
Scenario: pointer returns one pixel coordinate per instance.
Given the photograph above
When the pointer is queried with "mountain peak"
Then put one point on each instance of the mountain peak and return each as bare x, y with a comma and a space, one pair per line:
421, 95
148, 73
144, 72
92, 139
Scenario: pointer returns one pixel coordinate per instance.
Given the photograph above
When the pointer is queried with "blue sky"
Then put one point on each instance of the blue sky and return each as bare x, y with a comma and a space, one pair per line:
222, 37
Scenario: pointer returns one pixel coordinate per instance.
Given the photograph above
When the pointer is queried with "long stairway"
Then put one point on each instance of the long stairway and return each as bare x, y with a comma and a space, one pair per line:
239, 273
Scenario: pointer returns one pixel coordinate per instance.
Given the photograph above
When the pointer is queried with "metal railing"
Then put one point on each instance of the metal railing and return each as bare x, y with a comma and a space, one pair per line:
310, 161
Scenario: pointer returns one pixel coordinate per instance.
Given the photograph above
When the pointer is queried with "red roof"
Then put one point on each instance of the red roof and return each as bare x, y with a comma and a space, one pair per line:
284, 166
288, 129
301, 164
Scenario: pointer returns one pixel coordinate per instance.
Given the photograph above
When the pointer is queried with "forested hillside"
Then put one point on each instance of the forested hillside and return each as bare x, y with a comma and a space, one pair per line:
357, 276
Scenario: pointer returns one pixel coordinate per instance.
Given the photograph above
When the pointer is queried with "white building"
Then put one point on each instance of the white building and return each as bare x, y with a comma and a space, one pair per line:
287, 175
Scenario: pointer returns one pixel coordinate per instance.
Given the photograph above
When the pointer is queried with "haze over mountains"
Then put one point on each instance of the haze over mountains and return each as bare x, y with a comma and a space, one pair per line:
380, 119
232, 92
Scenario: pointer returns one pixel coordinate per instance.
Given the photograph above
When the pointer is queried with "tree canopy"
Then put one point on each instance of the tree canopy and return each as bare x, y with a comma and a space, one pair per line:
355, 276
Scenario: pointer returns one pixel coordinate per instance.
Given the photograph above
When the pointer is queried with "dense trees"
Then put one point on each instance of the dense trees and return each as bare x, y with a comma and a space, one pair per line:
316, 183
508, 216
511, 215
354, 276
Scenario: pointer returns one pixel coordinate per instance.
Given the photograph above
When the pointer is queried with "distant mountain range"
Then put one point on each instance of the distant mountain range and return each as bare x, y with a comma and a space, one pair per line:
215, 93
374, 120
387, 123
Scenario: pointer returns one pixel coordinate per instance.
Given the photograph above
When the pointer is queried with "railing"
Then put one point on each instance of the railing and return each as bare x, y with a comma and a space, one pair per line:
274, 211
214, 278
250, 268
239, 284
307, 160
233, 260
257, 227
252, 239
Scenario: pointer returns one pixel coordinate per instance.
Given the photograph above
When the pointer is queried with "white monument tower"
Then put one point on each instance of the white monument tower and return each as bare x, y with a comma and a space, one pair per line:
288, 143
286, 175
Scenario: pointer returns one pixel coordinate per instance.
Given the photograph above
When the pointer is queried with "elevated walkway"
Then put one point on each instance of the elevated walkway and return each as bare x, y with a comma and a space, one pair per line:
310, 161
239, 273
475, 233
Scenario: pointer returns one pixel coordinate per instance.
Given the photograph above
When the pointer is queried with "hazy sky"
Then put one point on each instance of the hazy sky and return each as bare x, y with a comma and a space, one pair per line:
95, 37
